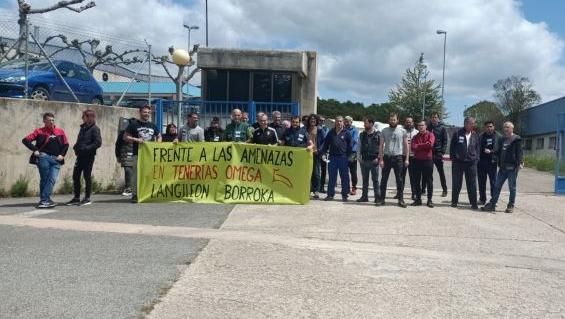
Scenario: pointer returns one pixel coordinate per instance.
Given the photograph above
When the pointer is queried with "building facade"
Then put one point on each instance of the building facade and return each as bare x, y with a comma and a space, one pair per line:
539, 127
234, 75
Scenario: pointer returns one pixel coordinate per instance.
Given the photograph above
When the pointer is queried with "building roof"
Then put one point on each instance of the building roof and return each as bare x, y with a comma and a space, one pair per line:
542, 119
142, 87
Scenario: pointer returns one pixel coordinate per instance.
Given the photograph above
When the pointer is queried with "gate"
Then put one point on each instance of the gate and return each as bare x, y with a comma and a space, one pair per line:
560, 155
167, 111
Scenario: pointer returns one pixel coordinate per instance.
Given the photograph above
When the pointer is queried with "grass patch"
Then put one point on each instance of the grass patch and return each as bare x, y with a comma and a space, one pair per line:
20, 188
544, 163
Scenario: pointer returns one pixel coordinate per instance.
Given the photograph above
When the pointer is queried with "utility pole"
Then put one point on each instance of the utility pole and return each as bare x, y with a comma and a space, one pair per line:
206, 23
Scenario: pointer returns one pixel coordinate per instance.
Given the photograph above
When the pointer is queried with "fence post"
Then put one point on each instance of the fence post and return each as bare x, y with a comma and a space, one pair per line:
295, 109
252, 111
159, 114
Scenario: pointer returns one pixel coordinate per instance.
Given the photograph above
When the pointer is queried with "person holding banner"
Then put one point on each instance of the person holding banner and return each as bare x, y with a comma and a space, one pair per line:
317, 137
338, 143
138, 132
214, 133
236, 131
191, 132
265, 134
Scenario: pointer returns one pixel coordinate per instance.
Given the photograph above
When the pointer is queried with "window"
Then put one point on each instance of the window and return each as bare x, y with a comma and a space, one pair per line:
282, 87
552, 142
83, 74
238, 86
217, 81
539, 143
528, 146
262, 87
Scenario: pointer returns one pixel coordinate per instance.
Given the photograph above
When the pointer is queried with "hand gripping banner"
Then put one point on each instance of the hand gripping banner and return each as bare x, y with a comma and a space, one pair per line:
223, 173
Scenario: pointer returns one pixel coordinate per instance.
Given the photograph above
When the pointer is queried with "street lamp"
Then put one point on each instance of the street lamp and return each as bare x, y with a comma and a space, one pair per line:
443, 74
189, 28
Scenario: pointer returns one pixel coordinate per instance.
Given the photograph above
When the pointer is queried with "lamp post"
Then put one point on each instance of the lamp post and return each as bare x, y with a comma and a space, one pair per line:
206, 23
443, 74
189, 28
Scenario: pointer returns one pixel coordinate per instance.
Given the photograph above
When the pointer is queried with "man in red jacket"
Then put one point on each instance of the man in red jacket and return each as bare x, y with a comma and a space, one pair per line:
51, 146
422, 146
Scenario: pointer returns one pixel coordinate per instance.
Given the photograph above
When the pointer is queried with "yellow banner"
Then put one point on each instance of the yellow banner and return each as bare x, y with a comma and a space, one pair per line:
223, 173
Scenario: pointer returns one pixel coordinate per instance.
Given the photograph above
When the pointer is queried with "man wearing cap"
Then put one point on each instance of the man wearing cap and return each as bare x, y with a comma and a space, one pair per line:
214, 133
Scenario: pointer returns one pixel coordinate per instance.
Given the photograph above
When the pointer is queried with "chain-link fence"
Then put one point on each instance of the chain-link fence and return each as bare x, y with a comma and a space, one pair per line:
93, 49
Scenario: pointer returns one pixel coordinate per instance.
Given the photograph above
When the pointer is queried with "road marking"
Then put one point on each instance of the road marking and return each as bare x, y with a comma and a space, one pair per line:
546, 264
37, 212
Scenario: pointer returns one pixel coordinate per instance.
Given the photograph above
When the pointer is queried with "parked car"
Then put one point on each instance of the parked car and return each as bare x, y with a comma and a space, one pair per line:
45, 84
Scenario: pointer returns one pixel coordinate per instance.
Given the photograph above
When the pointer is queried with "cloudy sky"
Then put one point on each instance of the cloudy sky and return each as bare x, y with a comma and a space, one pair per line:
364, 46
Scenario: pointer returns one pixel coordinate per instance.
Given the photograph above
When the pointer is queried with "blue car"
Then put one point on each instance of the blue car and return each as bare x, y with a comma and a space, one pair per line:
45, 84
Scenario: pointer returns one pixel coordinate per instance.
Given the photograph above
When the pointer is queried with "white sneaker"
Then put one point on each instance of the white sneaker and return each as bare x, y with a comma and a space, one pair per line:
127, 192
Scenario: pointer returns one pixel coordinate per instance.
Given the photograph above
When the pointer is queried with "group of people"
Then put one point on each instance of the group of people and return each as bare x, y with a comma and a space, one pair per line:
412, 150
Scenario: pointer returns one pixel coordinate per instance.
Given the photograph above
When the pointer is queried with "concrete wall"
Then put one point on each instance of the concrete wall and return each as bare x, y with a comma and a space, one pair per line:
20, 117
302, 63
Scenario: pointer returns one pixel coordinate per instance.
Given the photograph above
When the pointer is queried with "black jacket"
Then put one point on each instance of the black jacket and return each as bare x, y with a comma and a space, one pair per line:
488, 141
88, 141
458, 148
369, 145
440, 145
510, 153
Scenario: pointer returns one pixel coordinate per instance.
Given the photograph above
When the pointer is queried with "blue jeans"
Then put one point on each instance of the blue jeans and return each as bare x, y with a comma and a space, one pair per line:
503, 174
48, 172
338, 163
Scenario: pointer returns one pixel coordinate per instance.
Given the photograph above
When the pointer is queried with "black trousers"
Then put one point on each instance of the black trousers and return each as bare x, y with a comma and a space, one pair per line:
83, 165
484, 170
353, 173
438, 162
469, 169
369, 167
323, 172
424, 175
395, 163
411, 176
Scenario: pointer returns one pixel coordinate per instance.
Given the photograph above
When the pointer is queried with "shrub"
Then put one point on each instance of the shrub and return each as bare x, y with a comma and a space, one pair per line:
544, 163
20, 187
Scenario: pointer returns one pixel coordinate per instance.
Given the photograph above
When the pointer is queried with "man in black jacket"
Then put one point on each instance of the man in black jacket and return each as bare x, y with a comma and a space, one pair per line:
510, 161
487, 161
464, 152
440, 147
88, 141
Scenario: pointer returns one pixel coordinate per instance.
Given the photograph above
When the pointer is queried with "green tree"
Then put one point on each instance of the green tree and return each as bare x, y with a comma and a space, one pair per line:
486, 111
514, 95
332, 108
408, 96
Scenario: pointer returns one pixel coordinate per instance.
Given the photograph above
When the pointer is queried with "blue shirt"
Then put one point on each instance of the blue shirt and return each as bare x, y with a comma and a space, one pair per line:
354, 137
338, 143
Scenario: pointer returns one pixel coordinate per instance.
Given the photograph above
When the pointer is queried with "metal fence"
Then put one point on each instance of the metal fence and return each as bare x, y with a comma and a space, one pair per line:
56, 48
169, 111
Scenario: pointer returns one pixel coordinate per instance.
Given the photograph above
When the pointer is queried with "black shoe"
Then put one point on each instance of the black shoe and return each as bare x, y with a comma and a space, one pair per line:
401, 203
85, 202
454, 205
73, 202
51, 204
509, 209
344, 199
430, 204
42, 205
363, 199
328, 198
482, 202
474, 207
444, 193
380, 203
488, 208
133, 199
395, 196
416, 203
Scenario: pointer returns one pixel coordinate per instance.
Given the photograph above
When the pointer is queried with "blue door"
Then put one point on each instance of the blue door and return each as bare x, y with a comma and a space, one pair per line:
560, 150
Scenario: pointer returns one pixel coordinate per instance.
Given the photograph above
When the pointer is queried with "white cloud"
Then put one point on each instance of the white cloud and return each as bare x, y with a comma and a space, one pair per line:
364, 46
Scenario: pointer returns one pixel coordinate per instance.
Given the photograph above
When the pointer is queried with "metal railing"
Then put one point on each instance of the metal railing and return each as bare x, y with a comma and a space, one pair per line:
167, 111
